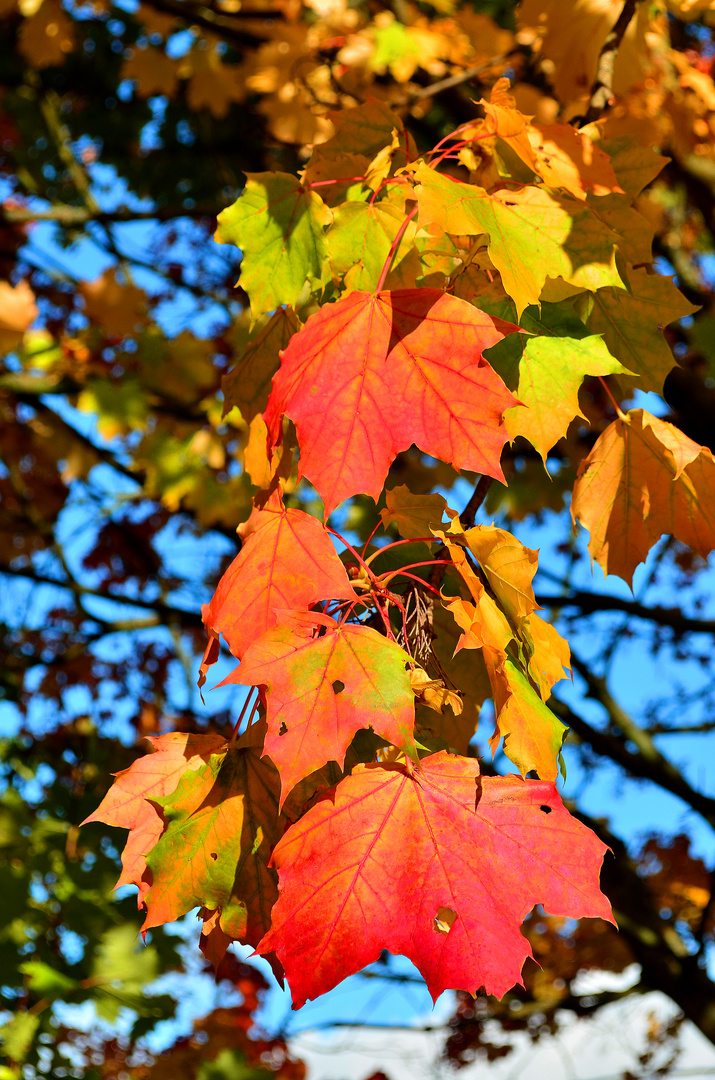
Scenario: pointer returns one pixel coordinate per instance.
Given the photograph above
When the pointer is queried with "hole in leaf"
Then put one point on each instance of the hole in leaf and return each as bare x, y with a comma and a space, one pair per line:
213, 855
282, 730
338, 686
444, 920
545, 809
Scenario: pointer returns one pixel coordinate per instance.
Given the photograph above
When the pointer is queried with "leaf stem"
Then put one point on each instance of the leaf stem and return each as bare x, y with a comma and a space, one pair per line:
393, 248
238, 723
351, 549
364, 547
420, 580
616, 406
396, 543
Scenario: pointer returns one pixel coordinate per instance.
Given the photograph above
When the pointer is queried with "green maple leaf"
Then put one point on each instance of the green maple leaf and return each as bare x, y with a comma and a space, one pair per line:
359, 242
279, 226
546, 371
551, 371
631, 323
533, 234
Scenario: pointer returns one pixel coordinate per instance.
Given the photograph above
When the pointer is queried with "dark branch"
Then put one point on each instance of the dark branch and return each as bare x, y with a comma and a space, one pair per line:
70, 216
223, 25
647, 763
590, 602
166, 614
602, 89
468, 515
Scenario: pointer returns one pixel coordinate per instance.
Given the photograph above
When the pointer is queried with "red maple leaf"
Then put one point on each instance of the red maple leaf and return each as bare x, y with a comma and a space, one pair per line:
322, 690
441, 866
288, 562
369, 375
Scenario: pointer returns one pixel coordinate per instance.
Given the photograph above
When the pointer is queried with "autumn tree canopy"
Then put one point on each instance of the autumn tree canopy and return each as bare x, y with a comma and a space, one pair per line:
339, 343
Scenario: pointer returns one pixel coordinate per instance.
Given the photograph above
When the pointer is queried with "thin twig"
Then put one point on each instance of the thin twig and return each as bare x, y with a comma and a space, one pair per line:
450, 82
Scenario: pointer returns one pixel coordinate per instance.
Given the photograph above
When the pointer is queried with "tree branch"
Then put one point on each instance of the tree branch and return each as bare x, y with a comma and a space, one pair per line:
70, 216
481, 490
223, 25
602, 89
590, 602
453, 80
647, 762
165, 612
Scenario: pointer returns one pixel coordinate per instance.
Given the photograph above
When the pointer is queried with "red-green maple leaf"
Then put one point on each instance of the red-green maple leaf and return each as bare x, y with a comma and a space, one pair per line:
221, 823
369, 375
441, 867
129, 802
287, 562
321, 690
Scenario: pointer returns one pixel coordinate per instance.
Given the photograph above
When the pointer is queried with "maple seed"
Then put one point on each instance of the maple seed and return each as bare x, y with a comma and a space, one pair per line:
338, 686
444, 920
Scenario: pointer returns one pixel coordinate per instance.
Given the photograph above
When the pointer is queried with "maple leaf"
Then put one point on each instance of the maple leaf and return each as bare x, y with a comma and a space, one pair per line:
532, 734
572, 34
116, 307
129, 803
17, 310
550, 373
635, 165
222, 821
261, 468
465, 670
321, 690
359, 242
47, 36
278, 225
363, 144
287, 561
390, 856
549, 656
508, 566
644, 478
567, 158
533, 234
560, 155
369, 375
364, 130
247, 386
510, 124
634, 231
482, 623
412, 514
631, 323
152, 70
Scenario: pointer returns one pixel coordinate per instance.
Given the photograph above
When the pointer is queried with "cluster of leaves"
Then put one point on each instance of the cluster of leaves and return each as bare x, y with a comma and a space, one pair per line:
413, 850
459, 225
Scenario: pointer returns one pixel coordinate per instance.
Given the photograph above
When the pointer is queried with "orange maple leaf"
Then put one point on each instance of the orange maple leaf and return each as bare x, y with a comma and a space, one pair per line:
644, 478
